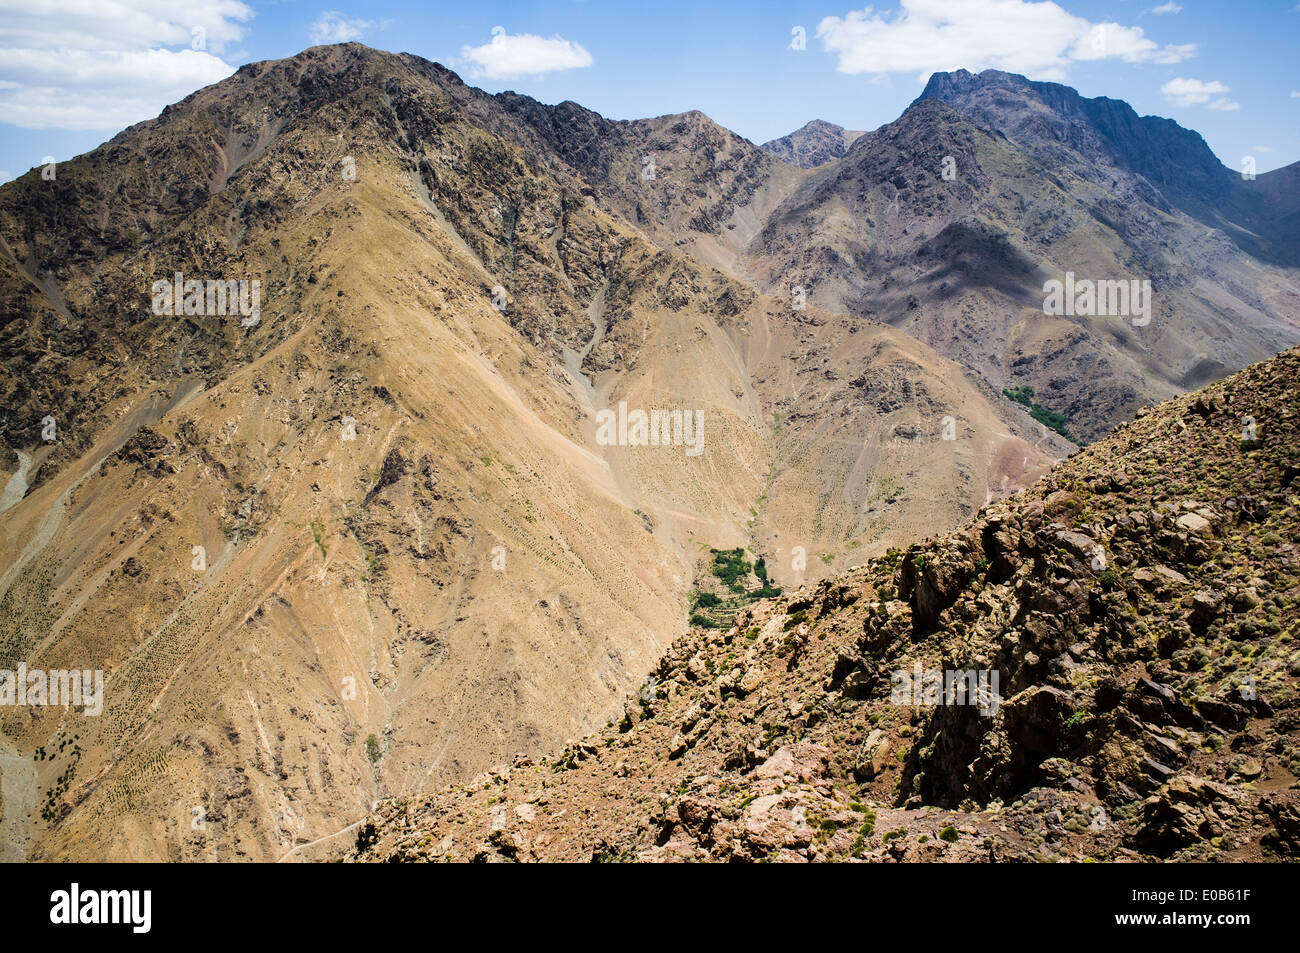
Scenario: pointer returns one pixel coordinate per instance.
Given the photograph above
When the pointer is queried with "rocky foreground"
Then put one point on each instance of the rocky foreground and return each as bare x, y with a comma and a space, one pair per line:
1139, 609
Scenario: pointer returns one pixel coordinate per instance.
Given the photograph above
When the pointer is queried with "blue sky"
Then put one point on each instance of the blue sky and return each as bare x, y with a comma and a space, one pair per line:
70, 79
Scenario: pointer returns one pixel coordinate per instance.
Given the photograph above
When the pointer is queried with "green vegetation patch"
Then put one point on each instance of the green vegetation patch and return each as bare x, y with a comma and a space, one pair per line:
1050, 419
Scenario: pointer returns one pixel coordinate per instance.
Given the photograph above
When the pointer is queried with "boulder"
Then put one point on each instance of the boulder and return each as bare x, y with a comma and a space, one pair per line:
872, 757
1283, 809
1190, 810
1206, 606
1194, 523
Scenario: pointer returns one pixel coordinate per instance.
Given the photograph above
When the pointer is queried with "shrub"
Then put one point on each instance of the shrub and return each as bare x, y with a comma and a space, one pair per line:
707, 600
730, 565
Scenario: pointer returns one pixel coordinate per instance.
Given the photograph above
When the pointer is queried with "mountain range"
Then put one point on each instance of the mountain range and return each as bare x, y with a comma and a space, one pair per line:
365, 537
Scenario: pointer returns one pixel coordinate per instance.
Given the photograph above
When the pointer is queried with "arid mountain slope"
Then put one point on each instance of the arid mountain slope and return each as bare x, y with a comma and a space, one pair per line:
949, 230
371, 541
1138, 607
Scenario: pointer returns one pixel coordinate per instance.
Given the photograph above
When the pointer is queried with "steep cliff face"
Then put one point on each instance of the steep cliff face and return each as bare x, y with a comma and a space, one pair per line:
1125, 636
1173, 159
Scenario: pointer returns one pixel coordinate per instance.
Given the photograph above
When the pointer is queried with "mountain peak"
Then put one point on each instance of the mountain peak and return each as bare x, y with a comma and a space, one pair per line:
962, 80
813, 144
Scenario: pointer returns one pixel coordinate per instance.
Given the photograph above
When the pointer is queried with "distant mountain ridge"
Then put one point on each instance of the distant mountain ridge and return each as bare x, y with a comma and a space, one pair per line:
813, 144
1175, 160
1037, 185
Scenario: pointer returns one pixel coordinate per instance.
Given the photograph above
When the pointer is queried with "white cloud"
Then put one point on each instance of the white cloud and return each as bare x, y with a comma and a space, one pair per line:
1223, 104
1192, 92
6, 175
1261, 148
105, 64
333, 27
522, 54
1039, 39
1295, 94
1169, 7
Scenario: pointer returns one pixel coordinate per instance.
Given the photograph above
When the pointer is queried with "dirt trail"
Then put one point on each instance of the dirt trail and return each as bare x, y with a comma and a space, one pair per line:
17, 802
320, 840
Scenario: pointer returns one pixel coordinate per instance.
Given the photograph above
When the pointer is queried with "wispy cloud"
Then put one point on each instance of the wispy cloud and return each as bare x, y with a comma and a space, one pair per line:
1166, 8
334, 27
1039, 39
68, 64
509, 55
